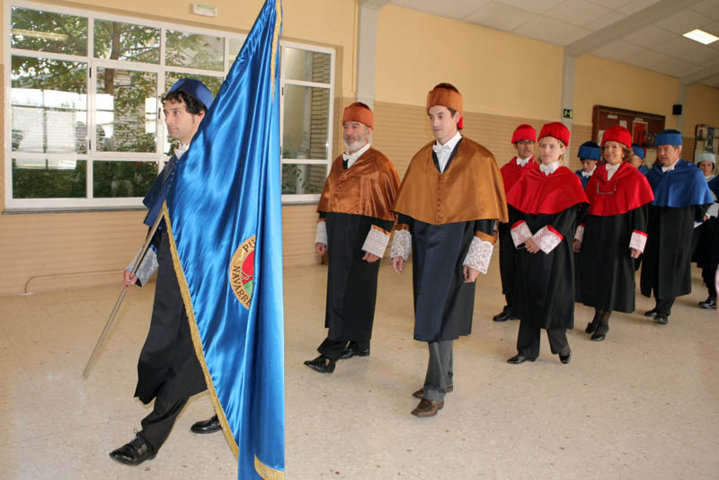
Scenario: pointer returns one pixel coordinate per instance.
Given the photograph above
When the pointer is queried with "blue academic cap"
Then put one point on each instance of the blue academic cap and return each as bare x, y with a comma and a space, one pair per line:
638, 150
194, 88
669, 137
589, 151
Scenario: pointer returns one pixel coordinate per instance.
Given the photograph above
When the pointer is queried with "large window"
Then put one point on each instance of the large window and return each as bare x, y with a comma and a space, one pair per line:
83, 114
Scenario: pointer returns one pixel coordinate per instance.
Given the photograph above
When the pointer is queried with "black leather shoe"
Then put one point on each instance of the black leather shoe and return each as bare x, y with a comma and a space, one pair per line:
519, 358
651, 313
504, 315
350, 352
321, 364
598, 337
709, 304
207, 426
134, 453
661, 319
566, 358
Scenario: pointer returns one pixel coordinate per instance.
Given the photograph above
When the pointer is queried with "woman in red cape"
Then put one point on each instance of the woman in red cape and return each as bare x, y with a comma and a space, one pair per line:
613, 233
546, 203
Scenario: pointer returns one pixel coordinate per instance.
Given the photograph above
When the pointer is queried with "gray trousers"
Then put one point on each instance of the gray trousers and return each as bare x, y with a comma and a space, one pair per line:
439, 370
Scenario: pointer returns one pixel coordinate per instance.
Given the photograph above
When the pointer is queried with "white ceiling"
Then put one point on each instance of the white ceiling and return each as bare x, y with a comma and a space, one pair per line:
645, 33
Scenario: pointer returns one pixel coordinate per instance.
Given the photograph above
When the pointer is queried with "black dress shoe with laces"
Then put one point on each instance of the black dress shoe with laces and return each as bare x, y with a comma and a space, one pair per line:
321, 364
651, 313
519, 358
207, 426
135, 452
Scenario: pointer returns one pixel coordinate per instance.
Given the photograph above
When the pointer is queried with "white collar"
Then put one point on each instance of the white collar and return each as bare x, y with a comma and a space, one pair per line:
670, 167
351, 158
612, 169
181, 149
549, 169
449, 146
587, 174
523, 161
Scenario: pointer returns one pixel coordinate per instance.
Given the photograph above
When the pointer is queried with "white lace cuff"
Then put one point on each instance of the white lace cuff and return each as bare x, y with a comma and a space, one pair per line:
638, 240
479, 255
520, 233
321, 235
376, 241
547, 238
579, 235
148, 265
401, 244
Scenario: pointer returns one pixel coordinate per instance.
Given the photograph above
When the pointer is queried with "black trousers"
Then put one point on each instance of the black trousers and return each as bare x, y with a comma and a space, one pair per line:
664, 306
157, 425
334, 348
529, 336
708, 273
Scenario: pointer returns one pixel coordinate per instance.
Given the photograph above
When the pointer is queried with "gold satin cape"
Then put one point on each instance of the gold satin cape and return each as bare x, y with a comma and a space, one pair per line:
471, 187
367, 188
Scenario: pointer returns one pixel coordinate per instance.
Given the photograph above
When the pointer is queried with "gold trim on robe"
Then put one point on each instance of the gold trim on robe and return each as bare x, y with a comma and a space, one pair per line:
471, 188
368, 187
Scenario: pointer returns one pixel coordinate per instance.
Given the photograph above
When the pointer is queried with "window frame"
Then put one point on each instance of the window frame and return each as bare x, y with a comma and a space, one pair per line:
89, 202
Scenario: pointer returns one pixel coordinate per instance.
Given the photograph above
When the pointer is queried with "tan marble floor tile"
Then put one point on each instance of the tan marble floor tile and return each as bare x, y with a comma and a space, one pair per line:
644, 404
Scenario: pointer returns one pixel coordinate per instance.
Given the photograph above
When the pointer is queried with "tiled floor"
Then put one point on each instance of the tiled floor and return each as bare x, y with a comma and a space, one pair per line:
644, 404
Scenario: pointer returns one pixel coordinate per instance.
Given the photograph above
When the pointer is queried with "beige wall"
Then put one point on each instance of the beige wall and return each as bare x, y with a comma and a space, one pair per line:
603, 82
505, 79
701, 107
497, 73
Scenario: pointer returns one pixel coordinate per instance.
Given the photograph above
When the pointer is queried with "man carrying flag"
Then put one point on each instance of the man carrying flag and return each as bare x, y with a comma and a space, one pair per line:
168, 370
224, 229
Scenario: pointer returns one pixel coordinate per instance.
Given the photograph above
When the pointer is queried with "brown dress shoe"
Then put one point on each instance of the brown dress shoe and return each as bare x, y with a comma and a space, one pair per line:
427, 408
420, 393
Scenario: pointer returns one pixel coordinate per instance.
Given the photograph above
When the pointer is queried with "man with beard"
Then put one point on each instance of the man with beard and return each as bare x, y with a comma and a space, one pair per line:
353, 229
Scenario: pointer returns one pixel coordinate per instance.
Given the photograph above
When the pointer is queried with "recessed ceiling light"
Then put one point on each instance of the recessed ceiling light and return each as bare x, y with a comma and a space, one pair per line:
701, 36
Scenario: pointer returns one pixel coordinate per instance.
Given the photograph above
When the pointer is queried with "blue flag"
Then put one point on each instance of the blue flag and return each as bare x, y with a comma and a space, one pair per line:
223, 214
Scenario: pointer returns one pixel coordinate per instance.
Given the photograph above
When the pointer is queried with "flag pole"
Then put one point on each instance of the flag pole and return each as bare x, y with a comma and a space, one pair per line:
113, 314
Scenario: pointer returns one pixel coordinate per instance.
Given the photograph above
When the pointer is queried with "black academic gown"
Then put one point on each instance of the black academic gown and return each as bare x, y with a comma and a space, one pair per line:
544, 291
665, 265
168, 366
605, 267
351, 282
443, 302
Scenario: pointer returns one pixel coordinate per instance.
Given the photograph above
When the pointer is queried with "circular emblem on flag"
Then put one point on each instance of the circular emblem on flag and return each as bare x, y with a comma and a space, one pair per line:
242, 271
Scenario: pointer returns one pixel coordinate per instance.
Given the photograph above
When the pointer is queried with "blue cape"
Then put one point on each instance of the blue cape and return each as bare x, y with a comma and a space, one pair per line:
681, 187
158, 192
714, 185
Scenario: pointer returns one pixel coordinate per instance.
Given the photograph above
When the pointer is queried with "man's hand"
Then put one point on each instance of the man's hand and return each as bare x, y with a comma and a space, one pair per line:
320, 248
531, 245
577, 246
398, 264
369, 257
635, 253
470, 274
128, 279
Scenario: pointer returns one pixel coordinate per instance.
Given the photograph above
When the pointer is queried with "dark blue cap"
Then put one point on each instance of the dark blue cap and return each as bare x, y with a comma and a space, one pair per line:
194, 88
589, 151
638, 150
669, 137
